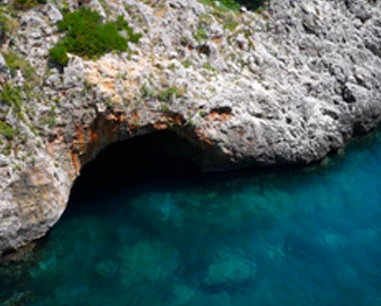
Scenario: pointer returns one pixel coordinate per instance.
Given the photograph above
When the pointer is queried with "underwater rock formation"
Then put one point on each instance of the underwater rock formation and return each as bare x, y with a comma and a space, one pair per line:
230, 268
148, 261
286, 85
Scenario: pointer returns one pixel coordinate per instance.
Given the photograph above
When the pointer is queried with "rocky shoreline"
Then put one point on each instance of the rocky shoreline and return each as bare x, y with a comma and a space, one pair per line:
284, 86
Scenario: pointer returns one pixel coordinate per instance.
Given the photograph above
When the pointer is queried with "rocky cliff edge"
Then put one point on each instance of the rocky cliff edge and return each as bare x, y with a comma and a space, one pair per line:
286, 85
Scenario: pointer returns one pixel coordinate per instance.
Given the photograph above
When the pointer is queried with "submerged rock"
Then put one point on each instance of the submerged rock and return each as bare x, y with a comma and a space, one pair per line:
107, 268
20, 298
148, 261
237, 88
182, 295
230, 268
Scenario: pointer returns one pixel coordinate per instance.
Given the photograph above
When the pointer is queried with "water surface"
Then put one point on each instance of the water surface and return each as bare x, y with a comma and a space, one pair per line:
162, 236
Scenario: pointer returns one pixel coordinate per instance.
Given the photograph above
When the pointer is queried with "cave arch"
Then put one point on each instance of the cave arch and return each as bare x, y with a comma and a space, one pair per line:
154, 157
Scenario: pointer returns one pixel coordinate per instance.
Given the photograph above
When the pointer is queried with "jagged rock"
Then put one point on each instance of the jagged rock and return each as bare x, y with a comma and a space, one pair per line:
74, 73
53, 13
285, 87
2, 62
95, 5
3, 162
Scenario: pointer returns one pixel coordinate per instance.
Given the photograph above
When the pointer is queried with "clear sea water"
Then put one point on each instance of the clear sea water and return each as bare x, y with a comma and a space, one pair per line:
159, 233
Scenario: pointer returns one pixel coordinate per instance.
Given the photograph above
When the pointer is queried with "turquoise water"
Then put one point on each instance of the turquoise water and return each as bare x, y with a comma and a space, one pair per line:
161, 237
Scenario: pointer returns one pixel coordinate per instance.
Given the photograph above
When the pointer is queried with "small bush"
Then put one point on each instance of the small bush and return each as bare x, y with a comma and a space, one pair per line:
3, 26
27, 4
230, 24
15, 62
123, 25
11, 96
8, 25
167, 94
6, 130
207, 66
88, 37
201, 34
187, 63
146, 92
58, 54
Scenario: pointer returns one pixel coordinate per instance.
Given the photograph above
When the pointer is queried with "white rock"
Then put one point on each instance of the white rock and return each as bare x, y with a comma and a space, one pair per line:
95, 5
74, 73
53, 13
2, 62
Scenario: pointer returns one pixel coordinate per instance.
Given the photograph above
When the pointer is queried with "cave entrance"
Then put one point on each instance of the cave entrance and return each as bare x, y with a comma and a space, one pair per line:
161, 159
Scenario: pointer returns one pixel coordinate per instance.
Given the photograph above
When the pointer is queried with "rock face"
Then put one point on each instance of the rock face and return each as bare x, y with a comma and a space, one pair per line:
286, 86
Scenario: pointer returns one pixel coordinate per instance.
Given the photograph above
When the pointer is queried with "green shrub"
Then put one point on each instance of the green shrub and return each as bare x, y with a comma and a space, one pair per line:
8, 149
201, 34
123, 25
27, 4
230, 24
15, 62
167, 94
58, 54
11, 96
4, 28
207, 66
8, 24
6, 130
146, 92
88, 37
187, 63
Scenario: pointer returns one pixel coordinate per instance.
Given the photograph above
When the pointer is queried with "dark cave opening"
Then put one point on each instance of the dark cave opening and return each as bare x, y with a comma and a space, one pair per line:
160, 159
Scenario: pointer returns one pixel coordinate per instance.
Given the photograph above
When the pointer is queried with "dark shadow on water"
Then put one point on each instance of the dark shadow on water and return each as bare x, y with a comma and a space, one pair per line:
148, 163
162, 162
133, 163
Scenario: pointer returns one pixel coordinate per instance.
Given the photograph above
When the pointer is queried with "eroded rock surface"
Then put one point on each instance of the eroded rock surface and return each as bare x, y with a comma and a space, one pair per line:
286, 86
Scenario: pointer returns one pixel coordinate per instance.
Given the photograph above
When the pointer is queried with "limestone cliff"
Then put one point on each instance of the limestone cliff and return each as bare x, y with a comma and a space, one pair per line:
286, 85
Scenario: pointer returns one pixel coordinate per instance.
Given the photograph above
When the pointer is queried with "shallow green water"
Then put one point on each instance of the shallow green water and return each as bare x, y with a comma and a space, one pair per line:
286, 237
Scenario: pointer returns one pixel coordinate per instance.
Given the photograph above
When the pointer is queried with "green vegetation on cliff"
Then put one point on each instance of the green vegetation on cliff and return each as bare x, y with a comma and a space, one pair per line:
3, 25
6, 130
7, 23
88, 37
15, 62
27, 4
13, 97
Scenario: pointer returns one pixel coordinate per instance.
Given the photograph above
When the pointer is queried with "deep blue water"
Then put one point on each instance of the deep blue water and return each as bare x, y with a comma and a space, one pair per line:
276, 237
